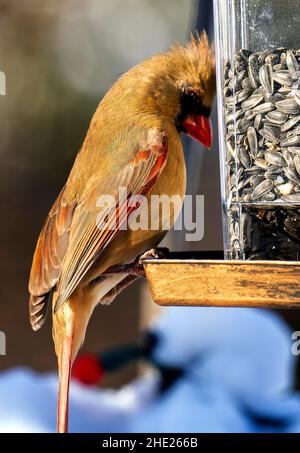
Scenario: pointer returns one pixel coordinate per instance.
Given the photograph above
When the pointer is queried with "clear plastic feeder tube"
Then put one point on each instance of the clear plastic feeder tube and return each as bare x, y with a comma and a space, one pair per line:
258, 81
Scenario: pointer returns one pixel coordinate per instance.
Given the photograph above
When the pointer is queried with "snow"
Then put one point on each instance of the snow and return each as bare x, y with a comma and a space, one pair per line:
238, 378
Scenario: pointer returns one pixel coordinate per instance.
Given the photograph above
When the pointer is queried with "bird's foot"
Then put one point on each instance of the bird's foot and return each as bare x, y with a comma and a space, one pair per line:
136, 268
160, 252
138, 265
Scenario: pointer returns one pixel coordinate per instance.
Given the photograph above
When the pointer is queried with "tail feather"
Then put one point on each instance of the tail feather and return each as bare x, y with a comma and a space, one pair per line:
38, 310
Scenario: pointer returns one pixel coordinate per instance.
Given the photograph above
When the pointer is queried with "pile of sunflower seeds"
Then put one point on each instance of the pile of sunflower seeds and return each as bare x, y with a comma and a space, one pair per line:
262, 117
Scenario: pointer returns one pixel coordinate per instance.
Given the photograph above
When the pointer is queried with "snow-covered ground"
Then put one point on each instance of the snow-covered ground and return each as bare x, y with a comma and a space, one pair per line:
238, 375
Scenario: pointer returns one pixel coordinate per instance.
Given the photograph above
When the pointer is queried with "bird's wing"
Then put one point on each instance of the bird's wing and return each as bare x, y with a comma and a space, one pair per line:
97, 221
95, 224
50, 250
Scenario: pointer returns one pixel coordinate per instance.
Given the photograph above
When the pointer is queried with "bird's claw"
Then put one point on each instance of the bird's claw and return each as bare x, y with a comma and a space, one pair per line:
136, 267
153, 254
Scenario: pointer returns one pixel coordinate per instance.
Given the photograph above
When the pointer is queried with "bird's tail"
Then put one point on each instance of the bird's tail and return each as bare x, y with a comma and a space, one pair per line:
64, 371
69, 326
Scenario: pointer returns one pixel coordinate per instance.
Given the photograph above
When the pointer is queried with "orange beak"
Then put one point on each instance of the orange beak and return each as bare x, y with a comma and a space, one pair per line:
199, 128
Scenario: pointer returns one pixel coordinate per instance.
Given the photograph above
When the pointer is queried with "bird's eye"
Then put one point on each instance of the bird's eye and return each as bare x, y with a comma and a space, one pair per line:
190, 94
190, 99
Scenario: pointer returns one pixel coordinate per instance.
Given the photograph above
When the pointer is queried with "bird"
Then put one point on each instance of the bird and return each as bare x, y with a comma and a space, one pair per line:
133, 142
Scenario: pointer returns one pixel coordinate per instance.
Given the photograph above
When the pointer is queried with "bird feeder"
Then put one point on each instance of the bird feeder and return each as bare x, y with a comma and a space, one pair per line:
258, 89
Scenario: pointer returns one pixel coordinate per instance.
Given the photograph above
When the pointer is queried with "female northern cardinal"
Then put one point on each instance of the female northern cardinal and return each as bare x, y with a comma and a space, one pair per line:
133, 142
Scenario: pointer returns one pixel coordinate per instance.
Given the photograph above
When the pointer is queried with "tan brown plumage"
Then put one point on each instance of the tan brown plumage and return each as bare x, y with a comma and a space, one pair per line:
133, 142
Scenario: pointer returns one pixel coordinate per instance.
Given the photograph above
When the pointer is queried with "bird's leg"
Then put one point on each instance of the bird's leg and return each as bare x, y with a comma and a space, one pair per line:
114, 292
136, 268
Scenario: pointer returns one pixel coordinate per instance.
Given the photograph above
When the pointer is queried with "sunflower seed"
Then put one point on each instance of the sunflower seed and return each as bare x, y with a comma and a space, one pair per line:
272, 58
257, 121
261, 163
266, 77
291, 174
296, 131
283, 78
288, 106
275, 158
253, 69
285, 90
294, 150
291, 141
239, 66
262, 188
288, 157
247, 85
241, 96
242, 126
256, 179
230, 147
252, 140
270, 196
247, 181
252, 101
227, 92
292, 64
234, 116
290, 123
255, 169
262, 56
240, 139
229, 103
244, 157
241, 75
297, 163
283, 55
276, 117
272, 133
273, 171
294, 197
295, 90
249, 115
297, 98
289, 133
264, 108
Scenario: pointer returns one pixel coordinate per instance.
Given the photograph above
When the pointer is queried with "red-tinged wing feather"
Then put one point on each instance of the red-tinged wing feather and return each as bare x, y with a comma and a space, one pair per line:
48, 257
87, 238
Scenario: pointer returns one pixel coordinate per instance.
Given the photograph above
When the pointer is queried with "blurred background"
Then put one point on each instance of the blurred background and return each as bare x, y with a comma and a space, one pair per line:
59, 58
